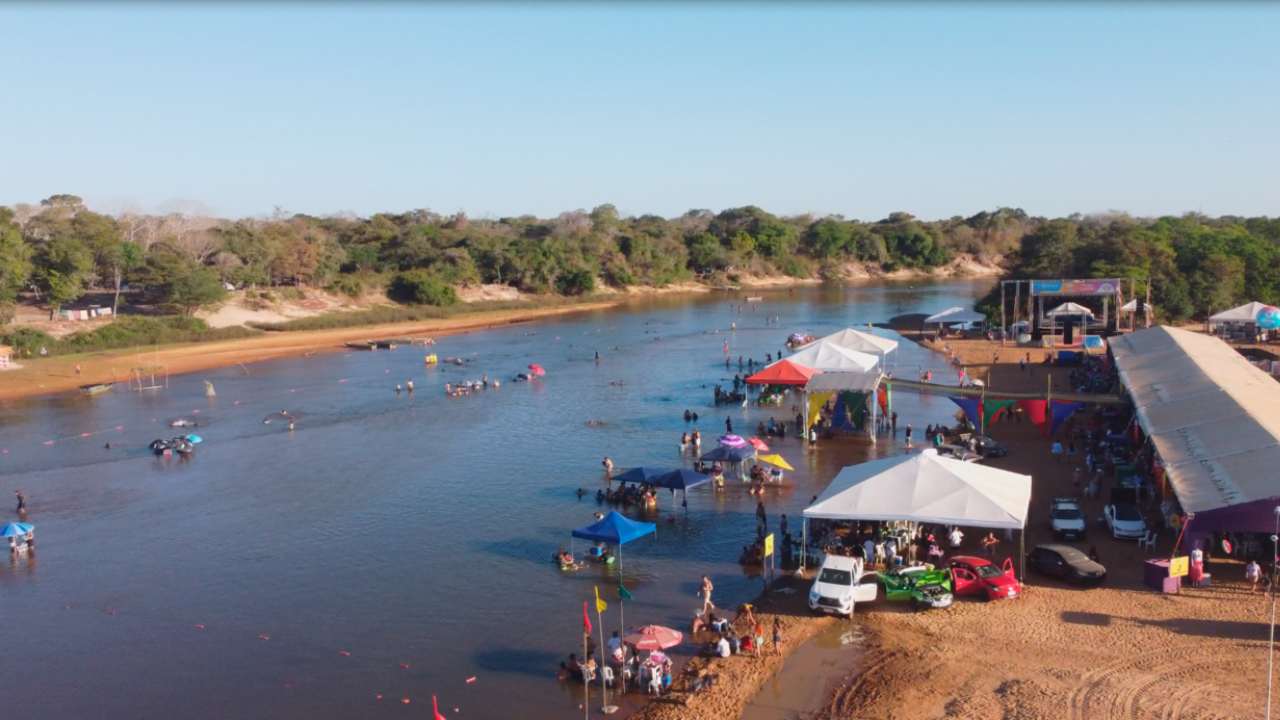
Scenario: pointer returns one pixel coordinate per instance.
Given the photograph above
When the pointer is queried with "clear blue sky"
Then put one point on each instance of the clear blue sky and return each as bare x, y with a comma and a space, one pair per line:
860, 109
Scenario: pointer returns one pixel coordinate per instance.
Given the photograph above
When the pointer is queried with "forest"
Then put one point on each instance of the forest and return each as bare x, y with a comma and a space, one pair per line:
56, 251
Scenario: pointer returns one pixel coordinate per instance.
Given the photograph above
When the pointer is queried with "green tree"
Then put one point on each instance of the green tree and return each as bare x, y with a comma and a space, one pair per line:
706, 254
62, 269
197, 287
15, 258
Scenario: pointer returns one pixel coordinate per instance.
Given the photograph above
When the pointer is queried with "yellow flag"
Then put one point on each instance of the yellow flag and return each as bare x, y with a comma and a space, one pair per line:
768, 545
601, 605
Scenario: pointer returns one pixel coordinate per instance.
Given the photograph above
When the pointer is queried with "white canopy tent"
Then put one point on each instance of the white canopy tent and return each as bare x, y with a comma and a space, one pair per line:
829, 357
1247, 313
925, 487
1070, 308
955, 314
855, 380
857, 340
1131, 306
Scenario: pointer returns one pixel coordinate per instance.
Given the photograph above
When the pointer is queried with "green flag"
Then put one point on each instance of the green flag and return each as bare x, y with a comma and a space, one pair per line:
623, 592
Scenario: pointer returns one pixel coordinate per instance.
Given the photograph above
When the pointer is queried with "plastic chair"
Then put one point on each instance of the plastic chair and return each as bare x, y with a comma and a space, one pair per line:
1148, 542
655, 683
608, 676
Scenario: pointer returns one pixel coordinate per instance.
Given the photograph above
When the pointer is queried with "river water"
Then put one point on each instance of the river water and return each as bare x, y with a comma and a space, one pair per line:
392, 545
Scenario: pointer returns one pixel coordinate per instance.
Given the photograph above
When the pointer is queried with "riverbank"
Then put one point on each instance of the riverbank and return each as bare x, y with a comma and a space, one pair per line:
41, 376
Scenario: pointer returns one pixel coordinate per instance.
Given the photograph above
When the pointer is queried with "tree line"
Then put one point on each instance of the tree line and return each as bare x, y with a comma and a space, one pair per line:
58, 250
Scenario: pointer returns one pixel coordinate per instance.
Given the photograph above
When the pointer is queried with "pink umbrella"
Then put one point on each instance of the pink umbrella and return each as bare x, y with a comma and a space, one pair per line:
653, 637
537, 370
759, 444
733, 441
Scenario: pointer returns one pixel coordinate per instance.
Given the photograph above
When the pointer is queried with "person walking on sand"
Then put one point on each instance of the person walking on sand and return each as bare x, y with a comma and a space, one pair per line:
705, 591
1253, 574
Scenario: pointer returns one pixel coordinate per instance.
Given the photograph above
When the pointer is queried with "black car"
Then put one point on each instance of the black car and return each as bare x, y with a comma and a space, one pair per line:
1066, 563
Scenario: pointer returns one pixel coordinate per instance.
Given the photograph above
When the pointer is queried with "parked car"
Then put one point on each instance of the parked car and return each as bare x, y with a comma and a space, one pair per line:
972, 575
1066, 563
922, 585
1125, 521
840, 585
1066, 518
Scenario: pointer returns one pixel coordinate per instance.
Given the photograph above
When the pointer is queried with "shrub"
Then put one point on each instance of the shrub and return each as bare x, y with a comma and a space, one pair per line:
8, 311
123, 332
348, 285
576, 282
419, 287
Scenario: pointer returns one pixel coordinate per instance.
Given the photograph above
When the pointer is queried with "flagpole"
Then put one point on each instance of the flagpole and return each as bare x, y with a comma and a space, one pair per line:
586, 684
605, 707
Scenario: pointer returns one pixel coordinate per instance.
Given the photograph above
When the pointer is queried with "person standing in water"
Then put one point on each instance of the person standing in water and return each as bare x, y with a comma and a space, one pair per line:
408, 385
22, 502
728, 426
707, 605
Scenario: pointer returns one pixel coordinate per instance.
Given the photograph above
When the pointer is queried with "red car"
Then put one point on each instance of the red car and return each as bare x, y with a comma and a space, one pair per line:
979, 576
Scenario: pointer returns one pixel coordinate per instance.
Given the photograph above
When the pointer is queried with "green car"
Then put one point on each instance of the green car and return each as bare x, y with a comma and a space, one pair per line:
922, 585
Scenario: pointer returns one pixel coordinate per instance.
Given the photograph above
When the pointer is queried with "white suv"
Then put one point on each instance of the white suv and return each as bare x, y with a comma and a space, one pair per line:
840, 585
1066, 518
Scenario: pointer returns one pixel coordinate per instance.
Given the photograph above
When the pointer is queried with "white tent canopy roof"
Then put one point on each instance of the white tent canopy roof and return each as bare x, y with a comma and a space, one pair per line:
1246, 313
1131, 306
856, 381
851, 339
926, 487
1070, 308
1213, 417
956, 314
829, 357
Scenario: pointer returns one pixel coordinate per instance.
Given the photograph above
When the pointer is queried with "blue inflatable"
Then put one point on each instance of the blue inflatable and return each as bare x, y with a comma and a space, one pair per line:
195, 439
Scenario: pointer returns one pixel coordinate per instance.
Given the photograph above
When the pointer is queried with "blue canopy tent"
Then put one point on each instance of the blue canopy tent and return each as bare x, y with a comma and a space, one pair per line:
615, 529
682, 480
641, 475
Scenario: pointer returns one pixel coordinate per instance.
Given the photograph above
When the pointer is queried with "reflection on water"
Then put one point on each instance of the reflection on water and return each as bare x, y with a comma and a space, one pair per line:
391, 544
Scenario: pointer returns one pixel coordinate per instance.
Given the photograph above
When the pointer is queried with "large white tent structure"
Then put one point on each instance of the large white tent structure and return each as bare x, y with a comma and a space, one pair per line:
1213, 417
851, 339
829, 357
925, 487
955, 314
1246, 314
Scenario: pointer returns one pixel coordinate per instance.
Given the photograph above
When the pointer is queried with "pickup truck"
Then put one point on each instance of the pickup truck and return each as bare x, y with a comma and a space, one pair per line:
841, 584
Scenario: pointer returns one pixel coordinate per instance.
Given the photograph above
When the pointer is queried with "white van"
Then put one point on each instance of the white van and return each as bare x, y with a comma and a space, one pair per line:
840, 585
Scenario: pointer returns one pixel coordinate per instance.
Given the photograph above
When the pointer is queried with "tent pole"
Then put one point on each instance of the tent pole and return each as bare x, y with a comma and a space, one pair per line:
804, 542
1022, 552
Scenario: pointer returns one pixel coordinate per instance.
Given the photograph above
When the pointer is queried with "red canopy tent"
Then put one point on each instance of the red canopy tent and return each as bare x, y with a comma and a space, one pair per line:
783, 372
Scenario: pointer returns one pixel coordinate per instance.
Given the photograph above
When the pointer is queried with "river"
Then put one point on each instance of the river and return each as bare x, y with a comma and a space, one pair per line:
391, 546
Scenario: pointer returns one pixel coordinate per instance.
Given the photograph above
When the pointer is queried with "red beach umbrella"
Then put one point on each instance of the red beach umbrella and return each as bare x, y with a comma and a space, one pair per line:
653, 637
537, 370
759, 444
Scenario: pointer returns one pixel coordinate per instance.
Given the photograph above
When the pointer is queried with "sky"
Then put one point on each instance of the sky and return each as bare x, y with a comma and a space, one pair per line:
497, 109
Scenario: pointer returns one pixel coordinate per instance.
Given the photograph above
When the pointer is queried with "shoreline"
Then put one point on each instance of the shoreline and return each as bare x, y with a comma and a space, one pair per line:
46, 376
